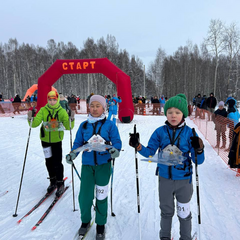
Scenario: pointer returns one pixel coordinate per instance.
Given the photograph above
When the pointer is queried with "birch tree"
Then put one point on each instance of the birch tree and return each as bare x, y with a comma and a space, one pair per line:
215, 41
232, 49
156, 69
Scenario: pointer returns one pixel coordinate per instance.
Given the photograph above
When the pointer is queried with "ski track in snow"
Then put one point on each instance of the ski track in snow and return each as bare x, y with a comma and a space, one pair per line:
219, 189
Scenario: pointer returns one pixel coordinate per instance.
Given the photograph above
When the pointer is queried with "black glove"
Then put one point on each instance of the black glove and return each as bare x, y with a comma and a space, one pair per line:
197, 144
119, 98
134, 140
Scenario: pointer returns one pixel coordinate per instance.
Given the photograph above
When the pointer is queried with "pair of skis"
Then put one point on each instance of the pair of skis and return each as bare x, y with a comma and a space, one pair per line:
82, 237
47, 211
3, 193
194, 237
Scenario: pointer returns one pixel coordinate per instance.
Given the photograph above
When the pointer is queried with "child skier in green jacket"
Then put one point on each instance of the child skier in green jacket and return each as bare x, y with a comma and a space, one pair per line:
53, 117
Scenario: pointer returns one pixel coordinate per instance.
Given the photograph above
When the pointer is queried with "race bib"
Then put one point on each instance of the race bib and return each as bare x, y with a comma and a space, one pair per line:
47, 152
183, 209
101, 192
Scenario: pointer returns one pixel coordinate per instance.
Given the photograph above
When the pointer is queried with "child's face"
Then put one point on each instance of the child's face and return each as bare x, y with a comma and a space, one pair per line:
52, 101
174, 116
96, 109
220, 107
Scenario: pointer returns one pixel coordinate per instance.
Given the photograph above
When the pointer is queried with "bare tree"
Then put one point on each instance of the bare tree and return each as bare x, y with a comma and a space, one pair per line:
216, 42
232, 49
156, 69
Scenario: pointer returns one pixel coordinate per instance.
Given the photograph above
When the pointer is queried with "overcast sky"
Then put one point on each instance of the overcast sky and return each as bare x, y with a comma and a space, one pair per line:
140, 27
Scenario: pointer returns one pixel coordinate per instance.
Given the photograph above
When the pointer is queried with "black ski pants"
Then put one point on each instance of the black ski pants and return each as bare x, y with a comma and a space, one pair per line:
54, 160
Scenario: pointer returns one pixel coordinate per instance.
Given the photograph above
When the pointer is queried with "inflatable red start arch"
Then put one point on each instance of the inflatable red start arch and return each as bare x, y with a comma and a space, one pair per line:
97, 65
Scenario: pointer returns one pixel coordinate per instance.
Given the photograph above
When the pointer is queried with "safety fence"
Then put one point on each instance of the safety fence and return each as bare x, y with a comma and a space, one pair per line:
148, 109
11, 109
8, 109
217, 130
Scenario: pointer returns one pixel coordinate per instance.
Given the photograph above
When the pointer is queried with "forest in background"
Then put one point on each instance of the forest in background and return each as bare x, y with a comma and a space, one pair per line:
211, 67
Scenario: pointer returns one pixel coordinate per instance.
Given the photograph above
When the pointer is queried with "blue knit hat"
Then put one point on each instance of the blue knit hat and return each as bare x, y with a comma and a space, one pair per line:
179, 101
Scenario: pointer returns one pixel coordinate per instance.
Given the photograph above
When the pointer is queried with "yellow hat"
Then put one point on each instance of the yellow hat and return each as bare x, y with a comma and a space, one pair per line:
52, 95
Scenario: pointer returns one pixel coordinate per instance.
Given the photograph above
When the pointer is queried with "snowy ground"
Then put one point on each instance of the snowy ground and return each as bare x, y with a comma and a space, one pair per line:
219, 189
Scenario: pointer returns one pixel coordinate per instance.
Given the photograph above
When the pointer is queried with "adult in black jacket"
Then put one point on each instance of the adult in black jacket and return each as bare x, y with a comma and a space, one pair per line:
211, 103
16, 104
156, 105
220, 120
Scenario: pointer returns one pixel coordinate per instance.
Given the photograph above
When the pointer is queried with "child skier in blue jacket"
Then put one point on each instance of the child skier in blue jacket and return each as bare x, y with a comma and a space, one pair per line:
175, 181
96, 166
113, 107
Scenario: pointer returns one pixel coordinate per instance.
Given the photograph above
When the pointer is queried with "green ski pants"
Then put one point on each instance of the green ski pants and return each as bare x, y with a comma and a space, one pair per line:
91, 177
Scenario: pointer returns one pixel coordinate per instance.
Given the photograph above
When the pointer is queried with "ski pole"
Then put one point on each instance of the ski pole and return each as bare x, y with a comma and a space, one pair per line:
137, 183
112, 213
24, 162
70, 124
76, 171
197, 181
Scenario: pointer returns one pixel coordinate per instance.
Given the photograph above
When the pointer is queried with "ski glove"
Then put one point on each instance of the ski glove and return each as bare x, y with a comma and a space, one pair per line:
70, 157
114, 152
71, 115
134, 140
30, 115
197, 144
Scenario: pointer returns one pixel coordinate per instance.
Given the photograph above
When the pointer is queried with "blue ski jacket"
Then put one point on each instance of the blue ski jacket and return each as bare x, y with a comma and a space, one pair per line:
162, 100
107, 130
181, 138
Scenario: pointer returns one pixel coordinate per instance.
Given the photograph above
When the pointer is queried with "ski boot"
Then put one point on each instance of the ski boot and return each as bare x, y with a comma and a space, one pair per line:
100, 232
52, 185
60, 188
83, 230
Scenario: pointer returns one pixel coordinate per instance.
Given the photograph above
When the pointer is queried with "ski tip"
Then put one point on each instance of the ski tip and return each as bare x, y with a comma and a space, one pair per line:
34, 228
19, 221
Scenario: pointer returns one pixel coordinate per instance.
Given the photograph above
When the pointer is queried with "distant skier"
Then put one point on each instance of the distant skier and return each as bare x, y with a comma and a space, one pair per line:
96, 166
162, 103
175, 182
113, 107
51, 115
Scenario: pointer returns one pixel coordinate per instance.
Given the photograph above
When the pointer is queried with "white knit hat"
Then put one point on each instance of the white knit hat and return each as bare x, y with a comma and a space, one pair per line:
221, 103
98, 98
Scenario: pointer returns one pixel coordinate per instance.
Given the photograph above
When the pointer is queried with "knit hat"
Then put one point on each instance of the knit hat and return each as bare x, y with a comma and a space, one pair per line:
221, 103
61, 96
98, 98
52, 95
180, 102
